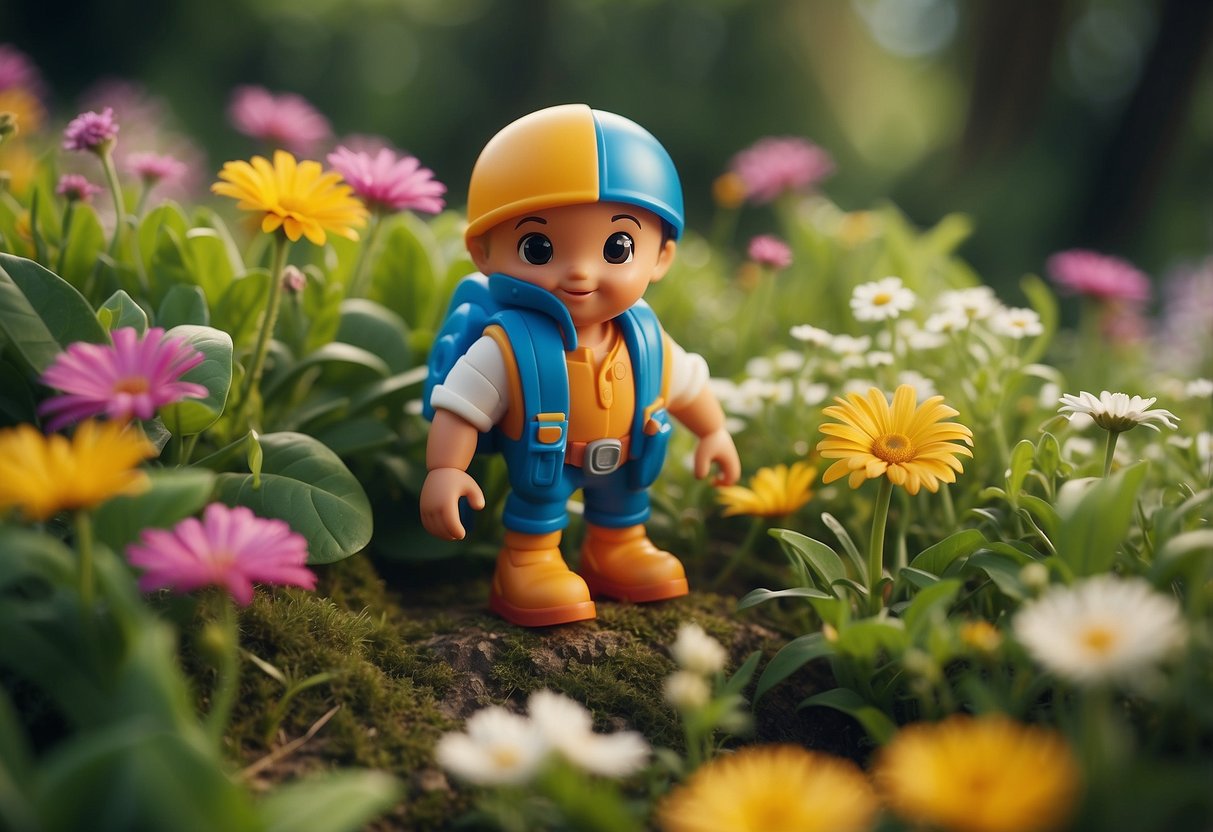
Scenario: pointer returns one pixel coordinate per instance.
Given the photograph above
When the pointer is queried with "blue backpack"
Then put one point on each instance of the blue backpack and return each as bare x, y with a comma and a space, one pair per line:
540, 330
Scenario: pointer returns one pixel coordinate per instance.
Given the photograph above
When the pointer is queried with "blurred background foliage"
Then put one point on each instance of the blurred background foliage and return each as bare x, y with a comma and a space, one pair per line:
1052, 123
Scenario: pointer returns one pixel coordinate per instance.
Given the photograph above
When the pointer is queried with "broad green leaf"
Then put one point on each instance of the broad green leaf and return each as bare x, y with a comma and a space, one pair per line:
85, 242
936, 558
1043, 514
1048, 455
1000, 569
393, 389
183, 305
402, 276
17, 769
174, 494
917, 577
208, 218
353, 436
866, 639
877, 724
760, 596
239, 310
345, 801
40, 313
120, 312
929, 602
190, 416
169, 267
165, 216
1095, 517
1022, 457
16, 396
791, 657
308, 486
820, 558
334, 357
1178, 553
377, 330
206, 258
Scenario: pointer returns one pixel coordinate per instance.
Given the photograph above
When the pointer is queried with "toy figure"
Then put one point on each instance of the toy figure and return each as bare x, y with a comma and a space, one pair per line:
555, 361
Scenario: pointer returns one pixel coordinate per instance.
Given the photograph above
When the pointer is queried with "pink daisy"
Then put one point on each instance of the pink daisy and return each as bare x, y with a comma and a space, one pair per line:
777, 165
387, 182
230, 548
287, 121
154, 168
130, 379
17, 70
1098, 276
76, 188
91, 131
770, 251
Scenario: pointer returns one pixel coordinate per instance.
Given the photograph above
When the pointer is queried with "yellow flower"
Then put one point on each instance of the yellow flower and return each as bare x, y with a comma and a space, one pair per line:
25, 107
769, 789
910, 445
985, 774
981, 635
773, 492
729, 190
45, 474
298, 197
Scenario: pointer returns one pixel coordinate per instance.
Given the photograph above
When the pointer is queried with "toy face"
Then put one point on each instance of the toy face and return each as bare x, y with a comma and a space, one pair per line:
597, 257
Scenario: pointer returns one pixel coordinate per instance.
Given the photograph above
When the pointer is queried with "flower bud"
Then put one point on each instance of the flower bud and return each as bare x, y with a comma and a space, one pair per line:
686, 691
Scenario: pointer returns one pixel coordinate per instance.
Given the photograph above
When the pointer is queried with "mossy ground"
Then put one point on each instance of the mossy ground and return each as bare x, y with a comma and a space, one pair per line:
410, 653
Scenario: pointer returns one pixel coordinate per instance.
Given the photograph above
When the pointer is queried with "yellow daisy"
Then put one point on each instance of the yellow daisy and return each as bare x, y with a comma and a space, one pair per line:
984, 774
298, 197
912, 446
771, 788
43, 475
773, 492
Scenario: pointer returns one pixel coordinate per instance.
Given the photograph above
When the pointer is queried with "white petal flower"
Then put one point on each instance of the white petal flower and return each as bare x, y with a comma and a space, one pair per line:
698, 652
1199, 388
1016, 323
686, 691
974, 304
1117, 412
880, 358
850, 345
813, 393
788, 361
568, 727
497, 748
760, 367
950, 320
881, 300
1104, 629
924, 388
811, 335
1204, 447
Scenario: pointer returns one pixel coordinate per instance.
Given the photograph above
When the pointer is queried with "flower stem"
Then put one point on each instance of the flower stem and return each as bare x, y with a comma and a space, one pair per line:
360, 276
227, 673
111, 178
880, 516
253, 377
1110, 451
84, 548
68, 213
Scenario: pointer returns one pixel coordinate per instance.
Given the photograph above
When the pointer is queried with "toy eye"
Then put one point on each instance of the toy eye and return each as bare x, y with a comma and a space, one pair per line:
618, 248
535, 249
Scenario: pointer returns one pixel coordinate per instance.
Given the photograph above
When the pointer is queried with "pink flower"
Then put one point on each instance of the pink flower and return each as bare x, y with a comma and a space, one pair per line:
229, 548
154, 168
287, 121
91, 131
770, 251
76, 188
1098, 276
386, 182
777, 165
17, 70
131, 379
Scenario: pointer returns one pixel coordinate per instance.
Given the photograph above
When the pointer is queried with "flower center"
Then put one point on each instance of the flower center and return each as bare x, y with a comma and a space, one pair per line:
882, 299
1098, 639
132, 384
505, 757
893, 448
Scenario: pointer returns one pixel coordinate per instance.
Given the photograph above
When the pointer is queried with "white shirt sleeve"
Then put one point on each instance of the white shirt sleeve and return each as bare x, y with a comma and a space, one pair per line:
477, 387
688, 375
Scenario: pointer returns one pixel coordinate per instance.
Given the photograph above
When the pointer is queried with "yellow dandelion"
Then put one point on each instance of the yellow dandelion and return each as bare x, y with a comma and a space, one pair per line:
773, 492
912, 446
769, 788
43, 475
985, 774
301, 198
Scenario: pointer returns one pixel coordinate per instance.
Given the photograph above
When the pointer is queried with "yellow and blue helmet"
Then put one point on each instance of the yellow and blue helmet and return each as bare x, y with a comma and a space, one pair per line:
569, 155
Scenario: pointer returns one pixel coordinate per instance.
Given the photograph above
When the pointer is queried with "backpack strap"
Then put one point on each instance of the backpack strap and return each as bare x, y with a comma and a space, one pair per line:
645, 341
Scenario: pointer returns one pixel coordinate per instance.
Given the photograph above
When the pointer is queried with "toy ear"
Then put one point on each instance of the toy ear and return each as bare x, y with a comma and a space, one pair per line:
664, 260
478, 248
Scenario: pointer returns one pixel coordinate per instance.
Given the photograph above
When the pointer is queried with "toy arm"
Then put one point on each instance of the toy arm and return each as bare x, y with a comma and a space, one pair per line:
448, 452
704, 417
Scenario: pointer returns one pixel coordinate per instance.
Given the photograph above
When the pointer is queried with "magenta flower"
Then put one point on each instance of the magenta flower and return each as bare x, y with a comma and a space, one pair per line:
1099, 276
774, 166
154, 168
130, 379
230, 548
287, 121
91, 131
770, 251
17, 70
77, 188
389, 183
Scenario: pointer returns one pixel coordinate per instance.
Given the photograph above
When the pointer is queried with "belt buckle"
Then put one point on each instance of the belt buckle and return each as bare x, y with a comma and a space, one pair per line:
602, 456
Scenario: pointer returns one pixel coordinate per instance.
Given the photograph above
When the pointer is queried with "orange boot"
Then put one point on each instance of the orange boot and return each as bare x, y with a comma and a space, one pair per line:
624, 564
533, 586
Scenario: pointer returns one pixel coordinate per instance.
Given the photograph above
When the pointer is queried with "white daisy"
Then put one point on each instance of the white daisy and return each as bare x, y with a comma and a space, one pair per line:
698, 652
788, 361
759, 367
881, 300
497, 748
1200, 388
950, 320
975, 304
880, 358
811, 335
686, 691
568, 728
917, 338
813, 393
1103, 629
1016, 323
924, 388
1117, 412
845, 345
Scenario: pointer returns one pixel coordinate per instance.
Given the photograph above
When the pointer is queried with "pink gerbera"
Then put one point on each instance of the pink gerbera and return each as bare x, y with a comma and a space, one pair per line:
230, 548
777, 165
130, 379
91, 131
1098, 276
388, 183
287, 121
770, 251
76, 188
154, 168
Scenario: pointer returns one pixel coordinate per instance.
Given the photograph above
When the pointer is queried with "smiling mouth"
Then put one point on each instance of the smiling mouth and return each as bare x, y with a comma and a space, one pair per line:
577, 294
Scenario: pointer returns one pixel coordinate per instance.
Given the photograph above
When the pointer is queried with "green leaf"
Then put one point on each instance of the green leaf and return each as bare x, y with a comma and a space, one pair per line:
737, 682
239, 310
308, 486
335, 357
820, 558
403, 277
848, 545
17, 813
393, 389
1178, 553
353, 436
1022, 457
40, 313
761, 596
190, 416
928, 603
174, 494
344, 801
206, 258
183, 305
166, 216
791, 657
874, 721
936, 558
918, 578
1043, 514
1000, 569
1044, 302
866, 639
17, 403
85, 242
1048, 455
377, 330
1095, 517
120, 311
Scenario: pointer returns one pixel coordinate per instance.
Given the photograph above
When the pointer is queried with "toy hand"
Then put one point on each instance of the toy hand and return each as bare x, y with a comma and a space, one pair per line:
718, 447
440, 501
